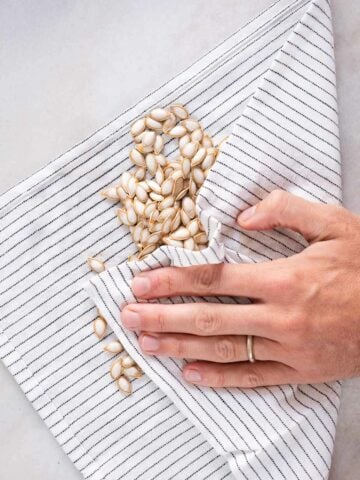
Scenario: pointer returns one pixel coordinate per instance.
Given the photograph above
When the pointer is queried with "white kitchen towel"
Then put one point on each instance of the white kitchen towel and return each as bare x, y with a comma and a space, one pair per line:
272, 86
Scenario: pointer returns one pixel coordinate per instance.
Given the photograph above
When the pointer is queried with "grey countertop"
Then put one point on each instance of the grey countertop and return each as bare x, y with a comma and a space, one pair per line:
68, 66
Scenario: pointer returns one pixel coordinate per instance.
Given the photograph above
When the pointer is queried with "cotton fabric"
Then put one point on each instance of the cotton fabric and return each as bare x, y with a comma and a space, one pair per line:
272, 87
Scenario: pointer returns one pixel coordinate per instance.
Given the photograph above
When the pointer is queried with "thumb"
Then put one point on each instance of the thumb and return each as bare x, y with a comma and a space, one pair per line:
282, 209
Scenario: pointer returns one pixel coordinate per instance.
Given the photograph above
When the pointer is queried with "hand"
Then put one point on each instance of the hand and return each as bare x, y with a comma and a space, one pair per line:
304, 315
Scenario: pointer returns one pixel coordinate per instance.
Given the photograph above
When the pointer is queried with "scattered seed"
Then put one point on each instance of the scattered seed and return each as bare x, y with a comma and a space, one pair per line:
114, 347
99, 326
95, 264
124, 385
116, 369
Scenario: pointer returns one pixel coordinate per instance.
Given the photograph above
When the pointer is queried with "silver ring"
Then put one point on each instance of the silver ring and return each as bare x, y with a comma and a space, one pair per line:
250, 348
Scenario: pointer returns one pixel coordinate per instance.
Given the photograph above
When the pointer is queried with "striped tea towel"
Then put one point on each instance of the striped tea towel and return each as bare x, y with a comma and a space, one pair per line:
271, 86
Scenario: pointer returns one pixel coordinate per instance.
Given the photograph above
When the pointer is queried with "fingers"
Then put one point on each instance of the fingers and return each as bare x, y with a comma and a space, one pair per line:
243, 374
204, 280
282, 209
220, 349
203, 319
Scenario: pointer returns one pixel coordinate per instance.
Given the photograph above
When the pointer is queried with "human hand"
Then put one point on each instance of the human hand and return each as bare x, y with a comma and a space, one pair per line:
304, 315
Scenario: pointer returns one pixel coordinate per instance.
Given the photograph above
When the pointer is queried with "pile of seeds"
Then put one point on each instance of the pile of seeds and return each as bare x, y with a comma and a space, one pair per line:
158, 202
158, 197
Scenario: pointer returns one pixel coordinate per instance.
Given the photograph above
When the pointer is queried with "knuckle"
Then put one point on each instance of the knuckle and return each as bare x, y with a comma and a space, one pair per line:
225, 350
165, 281
180, 348
206, 277
206, 322
278, 200
253, 379
218, 378
159, 322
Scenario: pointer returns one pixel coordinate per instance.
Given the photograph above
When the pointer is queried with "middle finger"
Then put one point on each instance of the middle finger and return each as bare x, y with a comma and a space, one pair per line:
203, 319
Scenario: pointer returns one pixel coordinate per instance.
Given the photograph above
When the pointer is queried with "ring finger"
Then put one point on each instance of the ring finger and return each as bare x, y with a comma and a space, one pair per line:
219, 349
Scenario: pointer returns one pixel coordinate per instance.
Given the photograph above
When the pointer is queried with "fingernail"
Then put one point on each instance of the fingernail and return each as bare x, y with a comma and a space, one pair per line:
130, 319
247, 214
192, 375
141, 285
150, 344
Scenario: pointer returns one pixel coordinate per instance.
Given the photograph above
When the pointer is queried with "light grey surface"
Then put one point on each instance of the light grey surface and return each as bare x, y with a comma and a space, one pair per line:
68, 67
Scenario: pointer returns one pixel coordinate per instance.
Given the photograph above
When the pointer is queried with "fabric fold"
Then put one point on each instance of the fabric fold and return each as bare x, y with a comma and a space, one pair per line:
272, 87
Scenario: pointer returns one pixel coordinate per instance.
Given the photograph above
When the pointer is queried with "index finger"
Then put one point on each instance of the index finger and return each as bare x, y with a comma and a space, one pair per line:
203, 280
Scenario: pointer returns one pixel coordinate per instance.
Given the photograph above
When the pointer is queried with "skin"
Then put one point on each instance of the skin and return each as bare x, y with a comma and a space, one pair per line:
304, 315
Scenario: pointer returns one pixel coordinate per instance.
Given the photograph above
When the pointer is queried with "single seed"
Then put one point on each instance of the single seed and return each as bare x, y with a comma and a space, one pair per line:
156, 197
151, 163
124, 385
189, 244
176, 221
167, 186
206, 141
161, 159
154, 238
208, 161
141, 194
145, 234
127, 361
110, 193
138, 127
198, 157
181, 194
122, 216
137, 158
99, 326
125, 177
190, 149
148, 139
198, 176
201, 238
181, 233
150, 207
193, 227
158, 144
179, 111
169, 123
184, 217
153, 124
121, 193
188, 205
136, 233
186, 167
139, 207
159, 114
131, 215
95, 264
190, 124
177, 131
166, 203
116, 369
155, 187
132, 372
197, 135
131, 187
171, 242
114, 347
167, 212
143, 149
145, 251
140, 173
184, 141
159, 175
